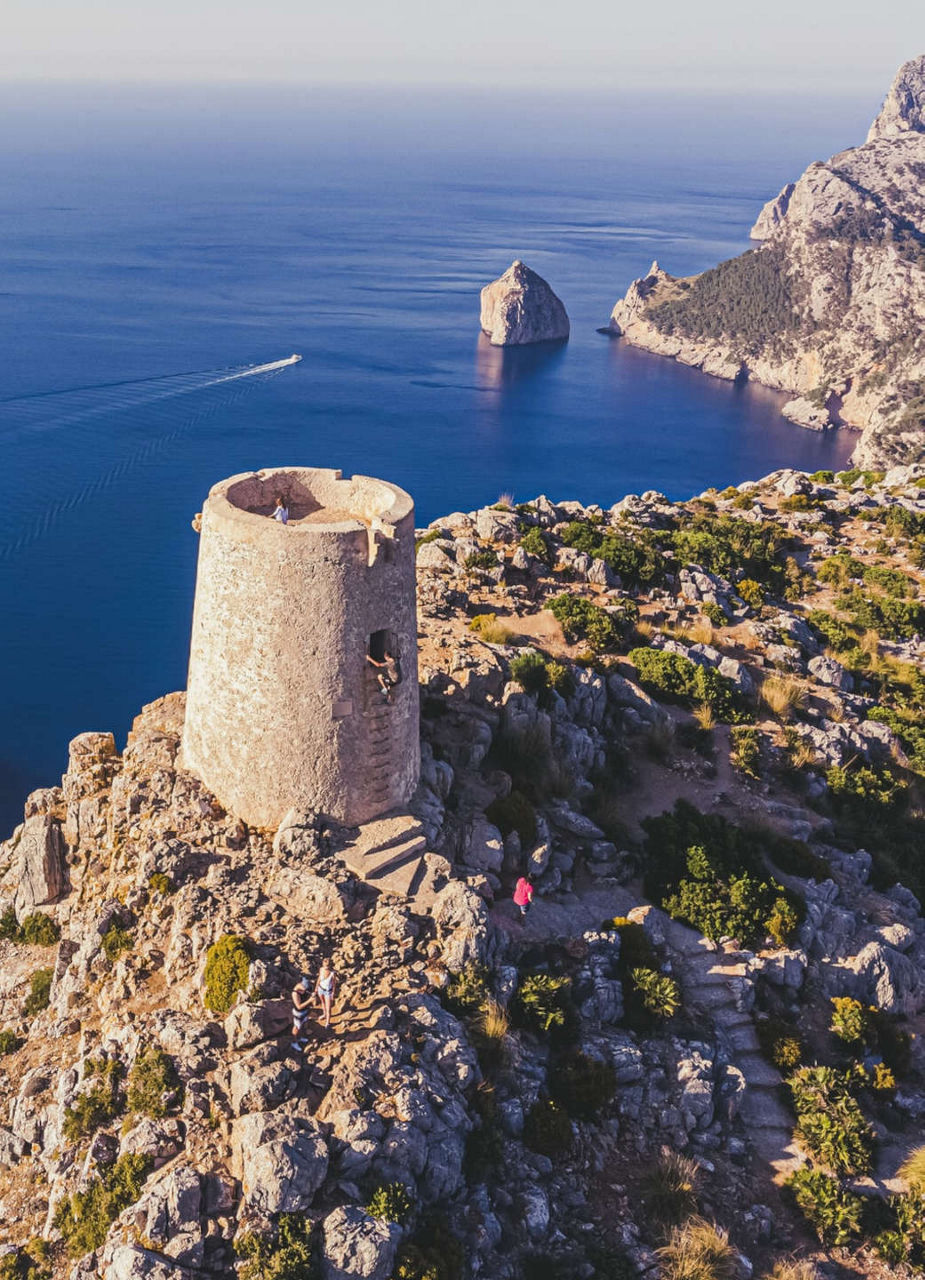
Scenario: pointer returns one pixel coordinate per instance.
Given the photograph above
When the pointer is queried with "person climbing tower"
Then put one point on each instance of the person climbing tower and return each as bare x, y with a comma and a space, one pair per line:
388, 673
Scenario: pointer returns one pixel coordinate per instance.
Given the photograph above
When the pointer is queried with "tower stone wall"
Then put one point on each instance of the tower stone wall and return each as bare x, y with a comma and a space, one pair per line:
283, 710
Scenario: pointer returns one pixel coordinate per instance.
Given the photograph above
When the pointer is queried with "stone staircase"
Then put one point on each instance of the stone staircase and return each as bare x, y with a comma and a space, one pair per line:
388, 854
711, 982
377, 715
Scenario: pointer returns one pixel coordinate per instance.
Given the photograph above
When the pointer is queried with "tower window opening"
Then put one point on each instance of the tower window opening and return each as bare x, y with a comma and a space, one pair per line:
379, 645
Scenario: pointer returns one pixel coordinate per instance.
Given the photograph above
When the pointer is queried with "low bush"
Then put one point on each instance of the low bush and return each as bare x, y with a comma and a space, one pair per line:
698, 1250
658, 993
97, 1105
432, 1253
544, 1002
161, 884
714, 614
468, 990
582, 1084
152, 1082
535, 543
29, 1263
674, 678
38, 930
746, 750
547, 1128
9, 926
482, 559
636, 559
84, 1217
391, 1202
833, 1212
514, 812
39, 992
116, 940
9, 1041
849, 1020
780, 1044
584, 622
528, 670
286, 1252
830, 1123
727, 544
226, 972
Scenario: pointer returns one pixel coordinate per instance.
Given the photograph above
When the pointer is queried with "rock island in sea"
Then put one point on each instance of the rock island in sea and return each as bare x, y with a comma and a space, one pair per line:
520, 308
698, 728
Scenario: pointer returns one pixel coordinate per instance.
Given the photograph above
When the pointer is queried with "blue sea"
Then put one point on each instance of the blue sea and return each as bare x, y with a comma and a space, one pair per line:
154, 245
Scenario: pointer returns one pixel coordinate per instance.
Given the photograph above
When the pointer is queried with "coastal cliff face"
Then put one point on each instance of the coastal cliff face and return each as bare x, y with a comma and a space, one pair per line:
699, 728
520, 308
831, 306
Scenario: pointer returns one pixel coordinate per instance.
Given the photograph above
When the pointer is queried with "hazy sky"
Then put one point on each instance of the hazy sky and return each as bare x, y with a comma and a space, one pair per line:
828, 45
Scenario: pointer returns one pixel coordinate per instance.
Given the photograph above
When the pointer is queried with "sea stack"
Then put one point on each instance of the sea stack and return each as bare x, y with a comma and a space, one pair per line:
519, 308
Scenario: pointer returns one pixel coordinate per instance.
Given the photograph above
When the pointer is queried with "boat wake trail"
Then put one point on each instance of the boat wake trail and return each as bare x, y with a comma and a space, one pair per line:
112, 430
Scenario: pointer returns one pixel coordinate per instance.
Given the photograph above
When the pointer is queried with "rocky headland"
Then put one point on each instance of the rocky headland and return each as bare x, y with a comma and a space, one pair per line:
520, 308
699, 728
831, 306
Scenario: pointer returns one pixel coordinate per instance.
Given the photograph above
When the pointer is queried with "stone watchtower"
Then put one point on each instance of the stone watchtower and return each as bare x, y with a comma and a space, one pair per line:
283, 710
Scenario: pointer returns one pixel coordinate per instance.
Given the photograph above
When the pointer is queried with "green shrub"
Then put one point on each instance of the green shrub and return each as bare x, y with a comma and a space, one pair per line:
160, 883
798, 502
151, 1081
9, 926
705, 871
97, 1105
638, 562
535, 544
822, 477
483, 559
849, 1020
84, 1217
547, 1128
674, 678
226, 972
9, 1041
544, 1002
838, 570
284, 1253
116, 940
779, 1043
830, 1123
432, 1253
39, 931
39, 995
832, 1212
29, 1263
714, 613
514, 812
528, 669
583, 621
468, 990
391, 1202
727, 544
583, 1085
660, 994
746, 750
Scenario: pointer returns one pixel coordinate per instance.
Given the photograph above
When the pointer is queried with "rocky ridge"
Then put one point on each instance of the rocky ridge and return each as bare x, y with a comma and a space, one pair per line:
830, 307
496, 1097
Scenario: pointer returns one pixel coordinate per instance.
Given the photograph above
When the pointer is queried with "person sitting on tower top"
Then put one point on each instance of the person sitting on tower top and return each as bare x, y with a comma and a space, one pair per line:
281, 511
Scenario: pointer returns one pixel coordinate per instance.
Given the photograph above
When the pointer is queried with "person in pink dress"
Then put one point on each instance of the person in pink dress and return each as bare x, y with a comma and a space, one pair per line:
523, 895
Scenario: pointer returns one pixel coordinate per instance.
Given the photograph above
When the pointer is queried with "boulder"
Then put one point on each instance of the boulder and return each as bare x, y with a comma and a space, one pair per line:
828, 671
519, 308
461, 918
887, 979
316, 898
282, 1161
42, 871
132, 1262
356, 1246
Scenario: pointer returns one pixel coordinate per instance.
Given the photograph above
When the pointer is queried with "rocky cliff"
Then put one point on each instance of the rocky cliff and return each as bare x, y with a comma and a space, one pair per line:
520, 308
699, 728
831, 305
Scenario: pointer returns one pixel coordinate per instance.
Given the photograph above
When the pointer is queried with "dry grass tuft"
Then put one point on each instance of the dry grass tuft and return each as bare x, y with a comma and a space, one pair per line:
493, 1021
701, 632
670, 1189
803, 756
912, 1170
644, 629
698, 1250
491, 629
780, 694
506, 500
703, 714
791, 1269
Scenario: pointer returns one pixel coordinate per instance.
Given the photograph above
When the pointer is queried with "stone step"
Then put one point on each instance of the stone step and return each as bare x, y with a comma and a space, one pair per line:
374, 865
384, 832
711, 997
757, 1071
402, 880
731, 1018
742, 1039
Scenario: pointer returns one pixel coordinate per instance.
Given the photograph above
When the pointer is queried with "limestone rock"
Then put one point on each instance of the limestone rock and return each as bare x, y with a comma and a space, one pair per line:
282, 1159
43, 875
904, 107
519, 308
888, 979
356, 1246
